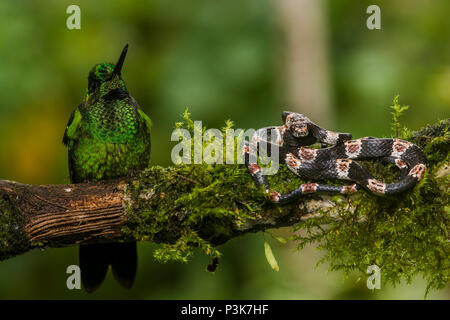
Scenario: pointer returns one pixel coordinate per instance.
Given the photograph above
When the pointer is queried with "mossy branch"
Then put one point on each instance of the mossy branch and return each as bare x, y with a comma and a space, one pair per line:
156, 206
199, 207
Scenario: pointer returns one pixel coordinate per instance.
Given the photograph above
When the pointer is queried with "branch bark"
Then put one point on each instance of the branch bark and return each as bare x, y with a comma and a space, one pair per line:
65, 215
218, 203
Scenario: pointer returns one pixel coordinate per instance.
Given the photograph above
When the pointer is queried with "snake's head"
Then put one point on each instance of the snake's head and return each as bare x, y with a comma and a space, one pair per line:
296, 123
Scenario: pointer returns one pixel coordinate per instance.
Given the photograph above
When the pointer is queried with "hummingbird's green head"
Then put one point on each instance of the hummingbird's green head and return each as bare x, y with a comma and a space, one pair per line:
105, 77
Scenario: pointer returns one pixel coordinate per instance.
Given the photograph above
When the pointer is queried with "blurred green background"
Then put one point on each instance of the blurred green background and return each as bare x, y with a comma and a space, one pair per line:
240, 60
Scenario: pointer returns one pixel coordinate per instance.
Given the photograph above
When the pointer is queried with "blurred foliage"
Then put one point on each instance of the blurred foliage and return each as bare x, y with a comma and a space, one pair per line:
223, 60
408, 56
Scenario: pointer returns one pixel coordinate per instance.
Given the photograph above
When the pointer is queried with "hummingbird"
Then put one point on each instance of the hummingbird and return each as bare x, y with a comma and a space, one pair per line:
107, 136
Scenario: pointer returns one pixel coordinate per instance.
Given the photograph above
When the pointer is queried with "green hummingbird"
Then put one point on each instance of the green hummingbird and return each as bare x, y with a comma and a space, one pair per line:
108, 136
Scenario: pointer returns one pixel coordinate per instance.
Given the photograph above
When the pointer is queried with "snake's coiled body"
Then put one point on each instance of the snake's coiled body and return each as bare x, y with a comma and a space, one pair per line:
334, 162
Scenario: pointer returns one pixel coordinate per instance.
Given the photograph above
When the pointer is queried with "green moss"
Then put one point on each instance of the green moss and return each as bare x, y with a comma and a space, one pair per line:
397, 112
193, 208
197, 205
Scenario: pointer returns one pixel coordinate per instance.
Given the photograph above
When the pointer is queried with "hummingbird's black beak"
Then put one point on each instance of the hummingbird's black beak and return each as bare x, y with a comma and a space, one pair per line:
119, 64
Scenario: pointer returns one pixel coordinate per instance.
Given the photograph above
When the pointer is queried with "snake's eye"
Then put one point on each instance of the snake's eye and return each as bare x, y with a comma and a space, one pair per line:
299, 130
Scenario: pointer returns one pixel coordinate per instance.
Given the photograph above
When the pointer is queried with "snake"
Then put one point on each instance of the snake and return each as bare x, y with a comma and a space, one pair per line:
335, 160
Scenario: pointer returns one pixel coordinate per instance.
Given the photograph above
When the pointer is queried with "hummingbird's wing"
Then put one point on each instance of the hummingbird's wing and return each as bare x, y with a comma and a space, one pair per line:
142, 115
147, 121
72, 125
70, 134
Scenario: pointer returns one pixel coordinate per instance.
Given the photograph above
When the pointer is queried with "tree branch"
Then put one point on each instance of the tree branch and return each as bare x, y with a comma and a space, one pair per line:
196, 205
65, 215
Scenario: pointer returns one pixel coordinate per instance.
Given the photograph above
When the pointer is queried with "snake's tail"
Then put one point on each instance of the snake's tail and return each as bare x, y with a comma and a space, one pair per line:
255, 170
307, 188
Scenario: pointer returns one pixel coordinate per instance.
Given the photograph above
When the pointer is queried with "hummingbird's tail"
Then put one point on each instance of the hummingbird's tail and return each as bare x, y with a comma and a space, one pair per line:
96, 258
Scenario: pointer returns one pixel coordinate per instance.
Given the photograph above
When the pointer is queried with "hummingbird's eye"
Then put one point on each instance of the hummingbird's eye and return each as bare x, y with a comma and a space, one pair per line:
98, 74
93, 82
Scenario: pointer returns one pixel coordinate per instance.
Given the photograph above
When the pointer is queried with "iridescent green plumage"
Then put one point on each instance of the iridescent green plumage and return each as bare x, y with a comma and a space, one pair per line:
108, 136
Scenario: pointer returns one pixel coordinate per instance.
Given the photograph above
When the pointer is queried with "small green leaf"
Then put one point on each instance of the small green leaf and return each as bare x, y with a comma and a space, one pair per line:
270, 257
278, 238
